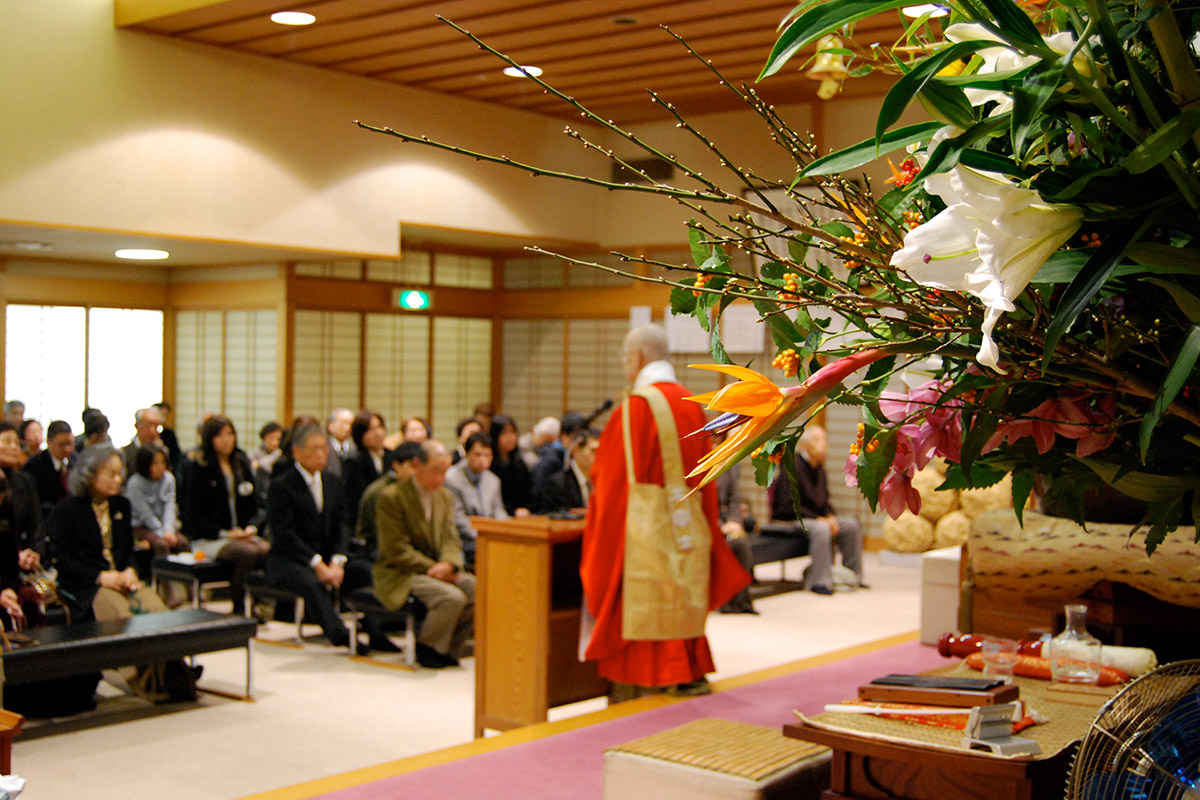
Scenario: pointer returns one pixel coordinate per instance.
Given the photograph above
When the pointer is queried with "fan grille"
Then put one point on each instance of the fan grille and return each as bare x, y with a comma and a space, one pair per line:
1145, 743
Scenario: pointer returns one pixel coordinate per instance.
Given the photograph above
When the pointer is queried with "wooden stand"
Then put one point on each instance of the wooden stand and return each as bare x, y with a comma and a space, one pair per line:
872, 769
527, 612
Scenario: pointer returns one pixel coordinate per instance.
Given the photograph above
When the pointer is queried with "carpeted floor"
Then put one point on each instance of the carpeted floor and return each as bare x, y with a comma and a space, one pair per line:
568, 766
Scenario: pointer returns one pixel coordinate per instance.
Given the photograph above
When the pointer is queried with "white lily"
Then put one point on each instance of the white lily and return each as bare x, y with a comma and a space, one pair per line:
1001, 59
989, 242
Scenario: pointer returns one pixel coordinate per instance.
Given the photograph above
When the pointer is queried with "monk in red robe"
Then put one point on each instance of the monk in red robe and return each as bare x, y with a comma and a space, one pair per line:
636, 663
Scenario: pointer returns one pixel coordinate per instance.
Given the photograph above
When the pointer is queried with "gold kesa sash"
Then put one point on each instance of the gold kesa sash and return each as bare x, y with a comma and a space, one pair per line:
667, 542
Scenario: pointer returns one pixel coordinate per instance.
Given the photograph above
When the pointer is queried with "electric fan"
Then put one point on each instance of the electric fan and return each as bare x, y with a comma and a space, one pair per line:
1145, 744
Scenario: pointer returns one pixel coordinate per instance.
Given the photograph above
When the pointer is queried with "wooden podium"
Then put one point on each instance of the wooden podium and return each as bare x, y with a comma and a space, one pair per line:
527, 611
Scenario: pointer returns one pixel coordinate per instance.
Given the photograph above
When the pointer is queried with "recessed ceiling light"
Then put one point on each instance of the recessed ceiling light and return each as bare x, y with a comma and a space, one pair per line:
28, 247
931, 9
522, 71
624, 19
142, 255
293, 18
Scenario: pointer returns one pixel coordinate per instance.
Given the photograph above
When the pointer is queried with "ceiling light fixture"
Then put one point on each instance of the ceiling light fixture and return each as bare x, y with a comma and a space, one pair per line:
932, 10
624, 19
523, 71
28, 247
293, 18
136, 254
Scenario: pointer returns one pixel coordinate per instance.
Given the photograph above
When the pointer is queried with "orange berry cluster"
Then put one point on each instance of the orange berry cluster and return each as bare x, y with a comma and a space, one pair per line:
857, 447
859, 239
912, 219
1091, 239
791, 288
787, 362
700, 282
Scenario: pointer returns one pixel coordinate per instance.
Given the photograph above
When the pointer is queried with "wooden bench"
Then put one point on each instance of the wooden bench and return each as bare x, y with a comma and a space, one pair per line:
82, 647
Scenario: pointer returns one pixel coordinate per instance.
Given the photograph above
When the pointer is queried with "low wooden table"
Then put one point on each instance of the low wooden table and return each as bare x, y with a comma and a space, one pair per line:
82, 647
872, 768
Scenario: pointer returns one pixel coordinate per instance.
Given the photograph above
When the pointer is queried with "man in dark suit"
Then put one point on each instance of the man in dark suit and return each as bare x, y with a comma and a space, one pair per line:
308, 554
49, 468
569, 487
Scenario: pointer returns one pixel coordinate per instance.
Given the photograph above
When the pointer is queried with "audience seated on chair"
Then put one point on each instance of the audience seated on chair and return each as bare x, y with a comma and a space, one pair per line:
50, 467
151, 493
309, 553
536, 444
91, 538
515, 480
476, 491
367, 463
420, 553
220, 509
555, 458
31, 435
568, 488
824, 527
20, 509
365, 542
341, 446
736, 523
147, 422
465, 429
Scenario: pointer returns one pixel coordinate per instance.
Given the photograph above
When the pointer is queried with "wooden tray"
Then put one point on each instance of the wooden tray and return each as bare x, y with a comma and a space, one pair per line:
958, 698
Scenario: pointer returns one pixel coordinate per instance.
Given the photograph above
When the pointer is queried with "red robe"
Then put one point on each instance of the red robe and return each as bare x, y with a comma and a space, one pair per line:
646, 663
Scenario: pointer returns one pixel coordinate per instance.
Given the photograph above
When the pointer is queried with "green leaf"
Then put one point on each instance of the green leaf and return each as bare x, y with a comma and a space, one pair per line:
1152, 254
1062, 267
818, 21
1188, 303
1178, 375
1144, 486
1163, 143
948, 103
913, 83
866, 151
978, 478
683, 302
717, 348
1089, 281
990, 162
698, 241
1029, 100
773, 270
1022, 487
784, 332
1014, 22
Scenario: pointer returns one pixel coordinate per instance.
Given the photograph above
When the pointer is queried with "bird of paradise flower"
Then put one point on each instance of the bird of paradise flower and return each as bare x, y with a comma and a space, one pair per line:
759, 410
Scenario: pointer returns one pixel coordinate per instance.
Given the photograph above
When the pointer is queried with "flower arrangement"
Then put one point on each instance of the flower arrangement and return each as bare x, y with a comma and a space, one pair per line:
1037, 258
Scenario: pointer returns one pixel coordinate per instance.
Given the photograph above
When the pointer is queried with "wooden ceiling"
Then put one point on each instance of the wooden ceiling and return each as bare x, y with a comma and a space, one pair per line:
605, 53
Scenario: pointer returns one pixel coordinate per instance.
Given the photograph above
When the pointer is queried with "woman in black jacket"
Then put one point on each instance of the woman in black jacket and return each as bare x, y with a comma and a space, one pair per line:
220, 508
91, 539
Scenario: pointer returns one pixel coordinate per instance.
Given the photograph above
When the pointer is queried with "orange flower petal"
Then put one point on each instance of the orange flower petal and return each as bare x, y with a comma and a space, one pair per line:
751, 398
741, 373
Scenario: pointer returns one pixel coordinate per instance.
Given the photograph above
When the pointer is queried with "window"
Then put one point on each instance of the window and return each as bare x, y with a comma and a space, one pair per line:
59, 359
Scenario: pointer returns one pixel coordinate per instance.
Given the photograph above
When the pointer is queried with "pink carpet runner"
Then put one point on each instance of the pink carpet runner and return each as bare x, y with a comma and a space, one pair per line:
569, 766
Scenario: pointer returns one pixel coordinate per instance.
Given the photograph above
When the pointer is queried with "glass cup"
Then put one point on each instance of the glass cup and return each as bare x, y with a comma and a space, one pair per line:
999, 658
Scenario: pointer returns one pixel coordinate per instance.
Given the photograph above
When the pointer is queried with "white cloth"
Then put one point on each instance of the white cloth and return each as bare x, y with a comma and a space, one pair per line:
655, 372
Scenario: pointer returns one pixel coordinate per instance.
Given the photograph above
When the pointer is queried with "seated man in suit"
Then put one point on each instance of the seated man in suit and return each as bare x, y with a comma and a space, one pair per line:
420, 553
476, 490
825, 528
308, 552
555, 458
569, 487
49, 468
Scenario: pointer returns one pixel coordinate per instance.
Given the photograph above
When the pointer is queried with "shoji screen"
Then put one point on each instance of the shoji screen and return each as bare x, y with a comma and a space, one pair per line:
396, 365
594, 369
250, 370
199, 340
462, 374
532, 378
326, 366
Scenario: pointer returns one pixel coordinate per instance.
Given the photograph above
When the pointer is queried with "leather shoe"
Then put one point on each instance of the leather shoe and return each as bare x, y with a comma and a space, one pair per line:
361, 649
383, 644
825, 590
431, 659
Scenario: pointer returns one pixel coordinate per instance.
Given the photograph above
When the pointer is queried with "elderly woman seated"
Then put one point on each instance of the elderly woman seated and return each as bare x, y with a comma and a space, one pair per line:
91, 539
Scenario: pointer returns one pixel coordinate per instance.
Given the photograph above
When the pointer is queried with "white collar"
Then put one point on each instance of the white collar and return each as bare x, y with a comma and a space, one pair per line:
309, 477
655, 372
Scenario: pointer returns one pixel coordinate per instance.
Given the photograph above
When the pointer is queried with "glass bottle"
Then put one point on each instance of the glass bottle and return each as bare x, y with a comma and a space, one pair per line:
1075, 653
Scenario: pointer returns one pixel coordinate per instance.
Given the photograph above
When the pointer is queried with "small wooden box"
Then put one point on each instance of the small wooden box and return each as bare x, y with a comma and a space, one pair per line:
957, 698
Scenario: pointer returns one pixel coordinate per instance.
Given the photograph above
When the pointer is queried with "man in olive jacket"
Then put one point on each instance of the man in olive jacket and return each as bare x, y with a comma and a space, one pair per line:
420, 552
